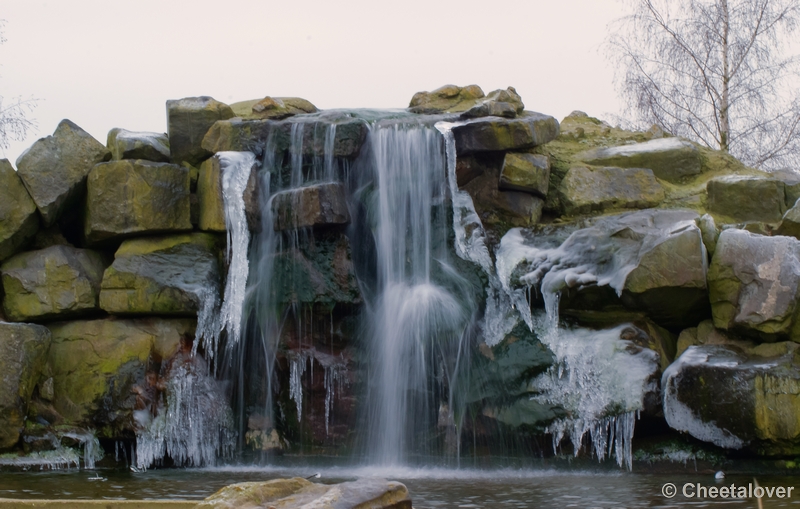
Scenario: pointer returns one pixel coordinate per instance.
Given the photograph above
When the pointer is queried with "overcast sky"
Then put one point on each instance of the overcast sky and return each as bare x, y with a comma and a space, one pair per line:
107, 63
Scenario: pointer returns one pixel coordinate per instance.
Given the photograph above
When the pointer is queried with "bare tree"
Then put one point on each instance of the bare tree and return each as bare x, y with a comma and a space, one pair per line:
14, 121
714, 71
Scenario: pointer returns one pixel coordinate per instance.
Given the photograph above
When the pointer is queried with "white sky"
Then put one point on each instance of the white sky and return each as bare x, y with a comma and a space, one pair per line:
112, 63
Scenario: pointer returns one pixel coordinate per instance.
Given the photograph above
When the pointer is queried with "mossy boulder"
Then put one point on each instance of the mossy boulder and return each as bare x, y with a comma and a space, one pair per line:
529, 173
584, 189
162, 275
369, 493
315, 205
446, 99
54, 169
528, 130
128, 198
52, 283
95, 364
23, 355
753, 281
722, 395
671, 159
739, 199
496, 206
211, 203
274, 108
188, 121
18, 219
125, 144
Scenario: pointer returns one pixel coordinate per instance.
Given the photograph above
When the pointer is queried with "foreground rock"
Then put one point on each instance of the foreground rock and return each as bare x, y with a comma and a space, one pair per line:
56, 282
126, 144
740, 199
96, 364
317, 205
298, 492
18, 219
54, 169
753, 283
126, 198
163, 275
23, 353
584, 190
188, 121
212, 202
493, 134
721, 395
671, 159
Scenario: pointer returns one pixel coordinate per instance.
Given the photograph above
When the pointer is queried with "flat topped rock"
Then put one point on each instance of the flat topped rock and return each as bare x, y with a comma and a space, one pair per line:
740, 199
528, 130
584, 189
54, 169
18, 219
188, 121
298, 492
317, 205
125, 144
671, 159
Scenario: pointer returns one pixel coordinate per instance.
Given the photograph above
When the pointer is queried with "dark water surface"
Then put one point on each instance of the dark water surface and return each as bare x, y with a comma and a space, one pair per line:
429, 487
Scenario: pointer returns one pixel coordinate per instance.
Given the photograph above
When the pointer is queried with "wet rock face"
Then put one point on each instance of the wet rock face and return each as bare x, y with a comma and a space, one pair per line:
299, 492
163, 275
54, 169
316, 205
494, 134
188, 121
127, 198
671, 159
721, 395
125, 144
753, 283
18, 219
96, 364
23, 353
56, 282
211, 203
741, 199
584, 190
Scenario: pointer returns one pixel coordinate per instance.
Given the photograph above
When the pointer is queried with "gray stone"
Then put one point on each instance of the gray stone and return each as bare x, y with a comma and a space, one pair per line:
18, 219
126, 198
54, 169
529, 173
125, 144
710, 232
163, 275
23, 354
56, 282
743, 199
753, 282
500, 103
188, 121
671, 159
584, 190
316, 205
790, 224
492, 134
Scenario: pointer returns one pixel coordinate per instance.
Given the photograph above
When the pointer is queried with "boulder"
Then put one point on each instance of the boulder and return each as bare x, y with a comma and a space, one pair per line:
500, 103
743, 199
55, 282
790, 224
495, 206
370, 493
710, 232
54, 169
23, 354
96, 364
211, 203
446, 99
732, 399
125, 144
493, 134
273, 108
163, 275
791, 184
318, 272
671, 159
315, 205
472, 166
753, 282
529, 173
18, 219
584, 190
127, 198
188, 121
